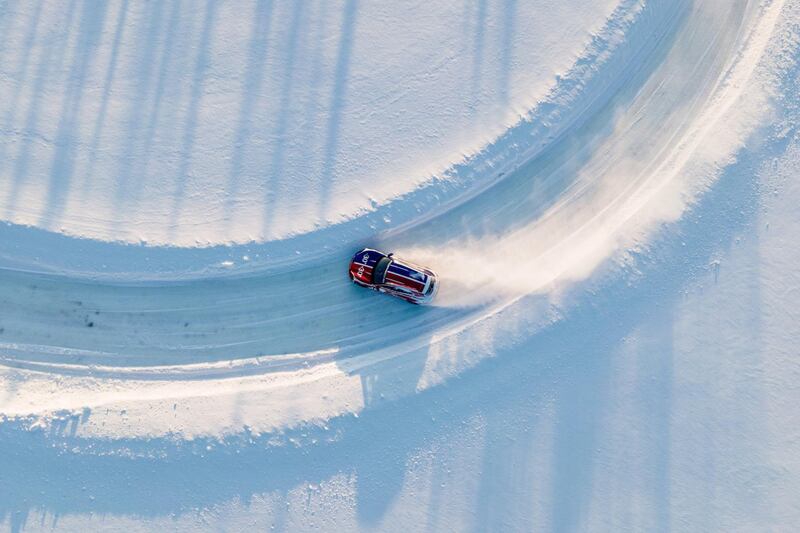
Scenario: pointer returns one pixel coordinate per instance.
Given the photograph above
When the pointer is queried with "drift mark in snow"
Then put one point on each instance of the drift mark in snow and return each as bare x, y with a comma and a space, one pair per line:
267, 352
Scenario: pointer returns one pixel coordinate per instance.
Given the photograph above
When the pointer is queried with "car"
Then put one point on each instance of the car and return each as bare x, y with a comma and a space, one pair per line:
385, 273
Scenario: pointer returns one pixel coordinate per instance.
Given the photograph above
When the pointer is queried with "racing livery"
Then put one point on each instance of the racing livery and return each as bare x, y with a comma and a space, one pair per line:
384, 273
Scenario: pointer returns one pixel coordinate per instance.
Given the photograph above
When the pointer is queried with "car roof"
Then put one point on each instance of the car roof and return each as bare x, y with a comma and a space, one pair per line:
404, 275
380, 270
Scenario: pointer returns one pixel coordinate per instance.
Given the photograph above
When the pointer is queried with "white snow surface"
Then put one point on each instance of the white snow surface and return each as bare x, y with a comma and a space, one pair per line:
607, 190
235, 122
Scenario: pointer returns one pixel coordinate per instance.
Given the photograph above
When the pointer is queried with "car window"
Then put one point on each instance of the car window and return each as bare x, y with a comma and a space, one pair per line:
379, 273
419, 276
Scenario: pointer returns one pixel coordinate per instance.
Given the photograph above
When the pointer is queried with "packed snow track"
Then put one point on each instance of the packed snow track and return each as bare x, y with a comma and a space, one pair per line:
269, 335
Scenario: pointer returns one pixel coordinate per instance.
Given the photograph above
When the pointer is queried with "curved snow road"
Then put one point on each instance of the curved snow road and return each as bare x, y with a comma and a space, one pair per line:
576, 193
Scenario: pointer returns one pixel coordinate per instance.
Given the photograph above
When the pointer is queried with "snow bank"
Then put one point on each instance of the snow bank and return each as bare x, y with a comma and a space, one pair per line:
253, 121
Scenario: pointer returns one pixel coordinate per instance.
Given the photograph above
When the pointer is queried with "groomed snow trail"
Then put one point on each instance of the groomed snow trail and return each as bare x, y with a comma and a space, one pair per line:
635, 130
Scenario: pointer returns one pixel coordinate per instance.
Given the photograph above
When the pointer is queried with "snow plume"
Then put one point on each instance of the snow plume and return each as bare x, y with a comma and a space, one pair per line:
533, 261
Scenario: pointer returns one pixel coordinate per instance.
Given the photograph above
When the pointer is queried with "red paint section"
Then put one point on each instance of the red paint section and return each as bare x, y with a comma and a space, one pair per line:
362, 273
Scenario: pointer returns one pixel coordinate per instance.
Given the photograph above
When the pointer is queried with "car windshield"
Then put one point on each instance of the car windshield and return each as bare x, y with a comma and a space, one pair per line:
379, 273
430, 288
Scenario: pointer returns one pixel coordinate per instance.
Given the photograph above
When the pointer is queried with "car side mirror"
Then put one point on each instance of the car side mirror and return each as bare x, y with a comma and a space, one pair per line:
390, 255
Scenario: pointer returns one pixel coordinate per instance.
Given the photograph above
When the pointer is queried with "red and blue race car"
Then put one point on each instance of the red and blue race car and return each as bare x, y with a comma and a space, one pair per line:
384, 273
